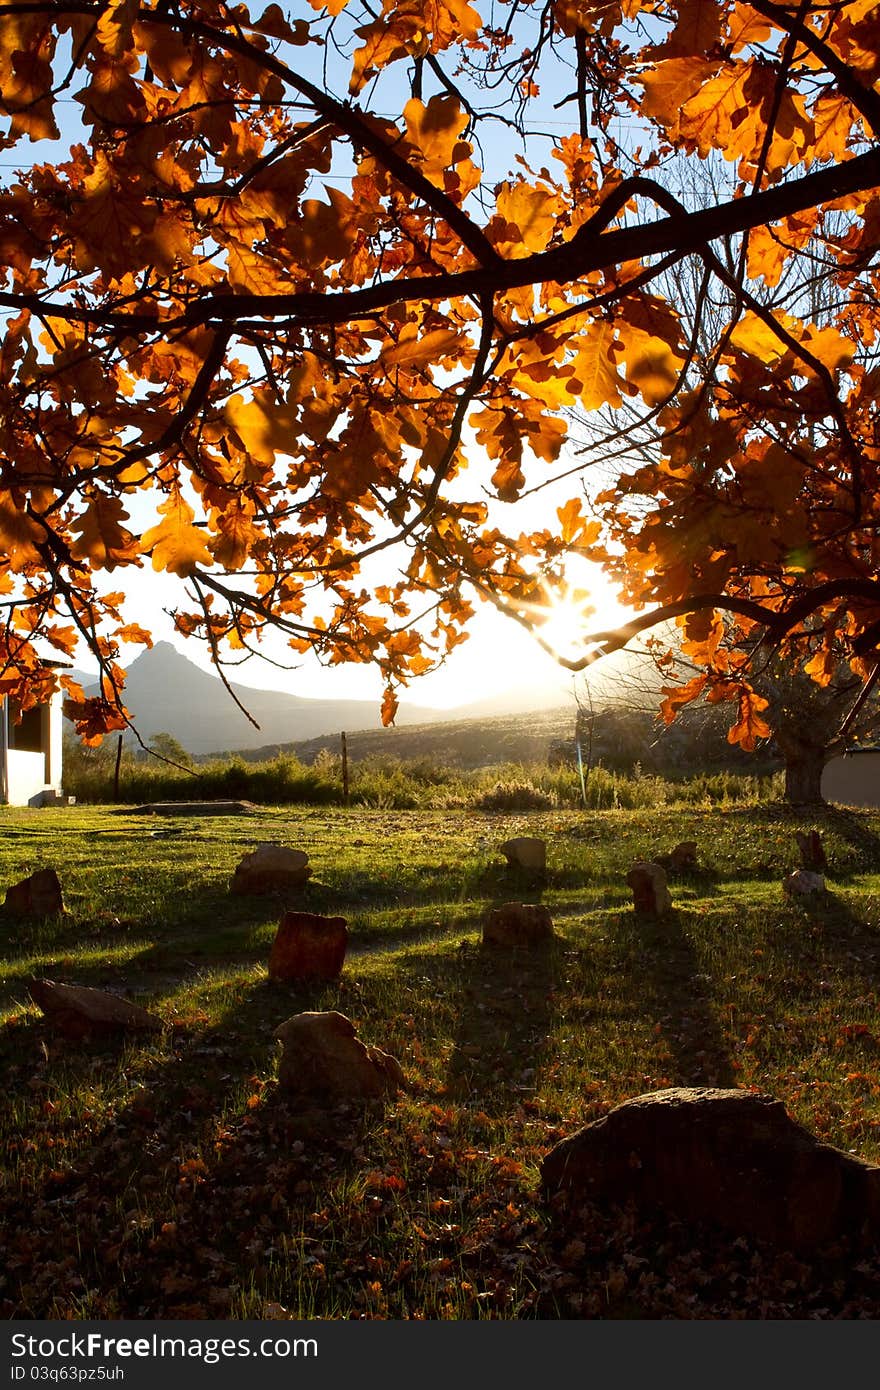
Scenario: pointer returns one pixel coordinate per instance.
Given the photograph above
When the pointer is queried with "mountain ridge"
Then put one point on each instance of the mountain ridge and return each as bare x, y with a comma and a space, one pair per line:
166, 692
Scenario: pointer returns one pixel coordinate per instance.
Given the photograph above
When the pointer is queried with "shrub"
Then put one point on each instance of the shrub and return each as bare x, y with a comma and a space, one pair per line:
514, 796
402, 785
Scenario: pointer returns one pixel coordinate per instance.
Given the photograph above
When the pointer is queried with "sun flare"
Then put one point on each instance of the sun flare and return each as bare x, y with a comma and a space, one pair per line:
587, 604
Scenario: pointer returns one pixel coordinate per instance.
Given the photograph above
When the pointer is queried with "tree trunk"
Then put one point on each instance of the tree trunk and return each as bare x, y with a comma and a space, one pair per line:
803, 778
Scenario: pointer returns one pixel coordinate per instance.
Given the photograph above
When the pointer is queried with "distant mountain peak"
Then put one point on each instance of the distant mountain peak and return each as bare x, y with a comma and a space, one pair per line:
163, 651
167, 692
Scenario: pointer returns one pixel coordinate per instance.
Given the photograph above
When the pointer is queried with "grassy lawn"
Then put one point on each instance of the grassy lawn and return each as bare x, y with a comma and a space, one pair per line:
171, 1178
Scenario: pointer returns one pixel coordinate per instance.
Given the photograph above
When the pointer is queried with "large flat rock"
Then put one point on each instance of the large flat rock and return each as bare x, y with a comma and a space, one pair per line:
78, 1011
190, 808
734, 1159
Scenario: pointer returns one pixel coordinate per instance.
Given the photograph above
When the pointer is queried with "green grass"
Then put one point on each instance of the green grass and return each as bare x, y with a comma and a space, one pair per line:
171, 1178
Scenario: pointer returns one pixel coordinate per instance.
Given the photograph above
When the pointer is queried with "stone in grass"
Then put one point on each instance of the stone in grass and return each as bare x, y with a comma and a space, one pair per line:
324, 1059
191, 808
650, 893
79, 1012
684, 857
813, 857
730, 1158
269, 868
803, 883
308, 946
36, 896
526, 852
517, 924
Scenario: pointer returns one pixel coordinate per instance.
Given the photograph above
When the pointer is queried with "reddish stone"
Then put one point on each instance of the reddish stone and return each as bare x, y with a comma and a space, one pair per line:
37, 896
812, 851
803, 883
683, 857
526, 852
308, 946
270, 868
517, 924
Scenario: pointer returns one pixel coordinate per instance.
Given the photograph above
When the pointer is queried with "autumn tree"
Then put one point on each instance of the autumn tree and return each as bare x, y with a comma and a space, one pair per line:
314, 354
813, 723
809, 723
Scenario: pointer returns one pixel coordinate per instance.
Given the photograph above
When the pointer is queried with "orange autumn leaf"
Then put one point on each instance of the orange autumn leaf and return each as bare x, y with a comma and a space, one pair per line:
594, 379
389, 706
703, 634
236, 534
681, 695
697, 28
93, 717
571, 519
821, 666
20, 534
110, 223
531, 211
64, 639
435, 129
833, 118
368, 363
750, 725
668, 85
652, 363
755, 335
175, 544
133, 632
102, 539
415, 350
264, 426
382, 45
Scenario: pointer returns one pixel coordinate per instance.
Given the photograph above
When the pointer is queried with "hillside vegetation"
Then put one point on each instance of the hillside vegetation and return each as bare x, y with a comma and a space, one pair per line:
501, 762
459, 743
392, 784
171, 1178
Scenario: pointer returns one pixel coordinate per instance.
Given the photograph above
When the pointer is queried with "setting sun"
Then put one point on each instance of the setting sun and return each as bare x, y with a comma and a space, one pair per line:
588, 604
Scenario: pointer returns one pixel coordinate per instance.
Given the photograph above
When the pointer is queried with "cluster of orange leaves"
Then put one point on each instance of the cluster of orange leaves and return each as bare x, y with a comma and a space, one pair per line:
225, 359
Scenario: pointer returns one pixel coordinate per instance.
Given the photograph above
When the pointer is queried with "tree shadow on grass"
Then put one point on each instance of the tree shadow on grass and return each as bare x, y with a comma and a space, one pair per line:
153, 969
188, 1152
504, 883
71, 950
207, 1180
854, 828
660, 975
700, 880
495, 1005
825, 933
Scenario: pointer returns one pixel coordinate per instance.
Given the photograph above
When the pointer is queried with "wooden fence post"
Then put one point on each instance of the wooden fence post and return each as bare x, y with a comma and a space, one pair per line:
116, 769
344, 770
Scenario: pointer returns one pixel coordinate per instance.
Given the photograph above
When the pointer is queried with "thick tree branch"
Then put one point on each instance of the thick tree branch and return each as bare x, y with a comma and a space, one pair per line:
775, 622
682, 233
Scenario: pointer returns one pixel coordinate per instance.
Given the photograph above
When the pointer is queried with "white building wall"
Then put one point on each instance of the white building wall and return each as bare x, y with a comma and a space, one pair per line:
26, 775
853, 779
52, 731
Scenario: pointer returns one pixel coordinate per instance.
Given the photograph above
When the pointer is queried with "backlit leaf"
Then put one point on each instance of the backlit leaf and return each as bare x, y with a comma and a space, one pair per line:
102, 539
414, 350
176, 545
389, 706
